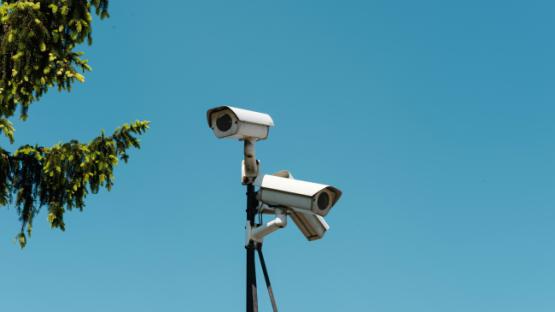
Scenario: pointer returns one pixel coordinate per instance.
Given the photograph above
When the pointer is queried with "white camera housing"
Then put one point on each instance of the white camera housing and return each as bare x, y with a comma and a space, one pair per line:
305, 197
238, 123
312, 226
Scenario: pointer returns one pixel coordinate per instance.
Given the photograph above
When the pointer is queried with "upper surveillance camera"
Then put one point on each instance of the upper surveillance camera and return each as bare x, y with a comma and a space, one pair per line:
305, 197
238, 123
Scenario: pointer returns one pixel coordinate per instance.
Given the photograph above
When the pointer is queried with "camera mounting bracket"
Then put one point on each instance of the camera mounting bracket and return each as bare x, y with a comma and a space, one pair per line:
257, 233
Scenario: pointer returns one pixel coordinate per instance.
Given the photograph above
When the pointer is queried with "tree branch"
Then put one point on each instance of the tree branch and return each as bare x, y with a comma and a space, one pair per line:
61, 176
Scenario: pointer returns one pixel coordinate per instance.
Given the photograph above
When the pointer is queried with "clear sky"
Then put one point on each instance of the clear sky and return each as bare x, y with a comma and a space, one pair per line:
434, 117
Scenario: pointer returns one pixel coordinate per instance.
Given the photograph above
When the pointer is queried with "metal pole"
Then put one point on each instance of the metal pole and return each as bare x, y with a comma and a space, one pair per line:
252, 298
267, 277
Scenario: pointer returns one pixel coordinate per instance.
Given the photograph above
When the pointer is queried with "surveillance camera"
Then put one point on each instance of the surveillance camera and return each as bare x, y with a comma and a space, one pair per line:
312, 226
305, 197
238, 123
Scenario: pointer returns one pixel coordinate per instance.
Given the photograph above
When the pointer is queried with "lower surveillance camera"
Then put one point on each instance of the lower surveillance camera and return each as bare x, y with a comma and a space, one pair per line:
312, 226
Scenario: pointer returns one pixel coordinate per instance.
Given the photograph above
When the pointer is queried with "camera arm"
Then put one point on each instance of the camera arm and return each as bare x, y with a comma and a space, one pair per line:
250, 165
257, 233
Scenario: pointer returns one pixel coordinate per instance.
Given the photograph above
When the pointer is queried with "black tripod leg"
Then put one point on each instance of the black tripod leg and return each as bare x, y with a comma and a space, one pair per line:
266, 277
252, 300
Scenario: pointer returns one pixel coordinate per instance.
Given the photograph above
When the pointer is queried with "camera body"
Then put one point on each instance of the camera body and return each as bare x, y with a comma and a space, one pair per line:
302, 196
238, 123
305, 202
312, 226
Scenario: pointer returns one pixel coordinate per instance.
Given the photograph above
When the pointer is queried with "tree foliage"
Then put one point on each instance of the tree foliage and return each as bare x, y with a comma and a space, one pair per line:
37, 52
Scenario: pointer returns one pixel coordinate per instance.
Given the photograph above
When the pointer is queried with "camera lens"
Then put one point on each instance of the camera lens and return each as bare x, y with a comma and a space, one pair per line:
323, 201
224, 123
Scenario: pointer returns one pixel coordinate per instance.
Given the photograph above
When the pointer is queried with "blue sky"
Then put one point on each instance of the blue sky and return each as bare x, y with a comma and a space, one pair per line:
434, 117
